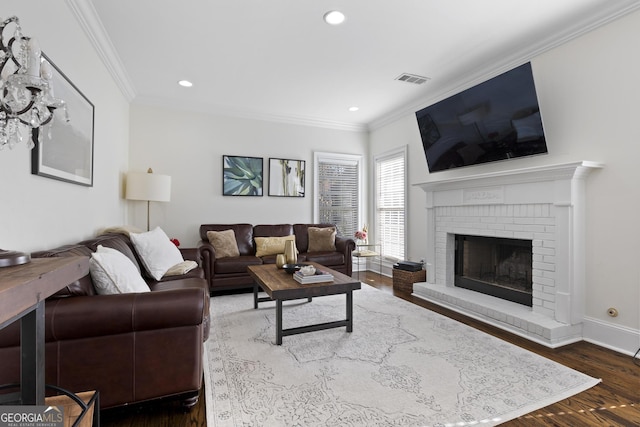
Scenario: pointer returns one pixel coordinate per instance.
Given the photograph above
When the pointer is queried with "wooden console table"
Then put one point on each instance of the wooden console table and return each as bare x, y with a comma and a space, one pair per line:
23, 290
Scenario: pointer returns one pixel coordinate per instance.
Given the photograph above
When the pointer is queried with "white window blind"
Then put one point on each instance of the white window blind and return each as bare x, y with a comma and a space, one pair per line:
338, 197
390, 203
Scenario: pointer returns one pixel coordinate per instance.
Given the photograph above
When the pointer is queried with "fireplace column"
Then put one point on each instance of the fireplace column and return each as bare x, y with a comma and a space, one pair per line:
431, 241
570, 264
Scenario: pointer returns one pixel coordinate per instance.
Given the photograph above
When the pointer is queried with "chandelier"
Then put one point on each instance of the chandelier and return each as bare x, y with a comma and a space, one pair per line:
26, 92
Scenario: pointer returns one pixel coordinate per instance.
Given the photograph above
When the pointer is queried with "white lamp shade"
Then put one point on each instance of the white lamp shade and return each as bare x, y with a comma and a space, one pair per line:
148, 186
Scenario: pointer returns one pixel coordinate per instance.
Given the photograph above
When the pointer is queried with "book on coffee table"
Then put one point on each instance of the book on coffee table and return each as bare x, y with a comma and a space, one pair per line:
318, 277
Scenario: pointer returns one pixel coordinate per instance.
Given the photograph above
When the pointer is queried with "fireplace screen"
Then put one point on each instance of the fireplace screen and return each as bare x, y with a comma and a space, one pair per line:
495, 266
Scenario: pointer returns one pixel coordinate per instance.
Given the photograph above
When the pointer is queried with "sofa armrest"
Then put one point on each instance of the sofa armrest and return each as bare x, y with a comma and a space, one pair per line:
345, 245
100, 315
208, 255
192, 254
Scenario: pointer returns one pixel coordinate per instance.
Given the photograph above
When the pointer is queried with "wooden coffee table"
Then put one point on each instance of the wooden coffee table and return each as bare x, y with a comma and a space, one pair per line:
281, 286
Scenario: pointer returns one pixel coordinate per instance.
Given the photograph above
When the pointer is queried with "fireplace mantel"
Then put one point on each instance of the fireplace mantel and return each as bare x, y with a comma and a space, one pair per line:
544, 204
577, 169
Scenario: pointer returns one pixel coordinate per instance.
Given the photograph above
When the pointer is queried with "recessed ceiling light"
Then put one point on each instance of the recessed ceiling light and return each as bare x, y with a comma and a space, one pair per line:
354, 108
334, 17
185, 83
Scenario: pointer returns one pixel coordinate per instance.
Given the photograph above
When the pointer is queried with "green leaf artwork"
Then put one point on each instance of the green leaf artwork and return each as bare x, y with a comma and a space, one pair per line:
242, 176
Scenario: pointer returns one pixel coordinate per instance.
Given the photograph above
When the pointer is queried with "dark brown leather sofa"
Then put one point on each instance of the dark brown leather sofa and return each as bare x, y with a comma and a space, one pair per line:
231, 272
130, 347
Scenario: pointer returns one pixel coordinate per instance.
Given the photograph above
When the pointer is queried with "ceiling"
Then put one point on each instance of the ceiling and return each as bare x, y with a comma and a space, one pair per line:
278, 60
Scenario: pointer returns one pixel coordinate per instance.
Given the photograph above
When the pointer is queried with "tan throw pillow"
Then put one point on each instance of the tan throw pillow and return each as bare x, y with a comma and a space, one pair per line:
224, 242
322, 239
181, 268
271, 245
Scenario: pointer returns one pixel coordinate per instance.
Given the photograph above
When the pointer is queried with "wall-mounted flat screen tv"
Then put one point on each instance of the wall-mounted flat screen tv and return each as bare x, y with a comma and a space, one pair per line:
495, 120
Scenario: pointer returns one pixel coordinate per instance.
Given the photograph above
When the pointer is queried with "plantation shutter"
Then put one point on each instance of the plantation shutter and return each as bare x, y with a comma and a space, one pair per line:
390, 204
338, 194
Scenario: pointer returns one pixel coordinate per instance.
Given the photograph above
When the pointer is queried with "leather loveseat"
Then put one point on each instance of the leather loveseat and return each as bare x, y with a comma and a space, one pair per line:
229, 273
131, 347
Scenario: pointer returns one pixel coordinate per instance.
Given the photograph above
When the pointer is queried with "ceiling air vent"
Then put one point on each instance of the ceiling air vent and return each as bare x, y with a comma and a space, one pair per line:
412, 78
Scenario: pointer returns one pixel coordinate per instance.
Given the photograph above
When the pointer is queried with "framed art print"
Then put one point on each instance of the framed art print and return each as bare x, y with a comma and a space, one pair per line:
286, 177
241, 176
64, 148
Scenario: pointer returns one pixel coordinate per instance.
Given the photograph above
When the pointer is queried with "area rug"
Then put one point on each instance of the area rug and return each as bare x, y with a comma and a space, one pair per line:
402, 365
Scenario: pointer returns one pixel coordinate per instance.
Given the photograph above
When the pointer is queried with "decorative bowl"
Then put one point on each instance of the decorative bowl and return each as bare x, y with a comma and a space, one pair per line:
292, 268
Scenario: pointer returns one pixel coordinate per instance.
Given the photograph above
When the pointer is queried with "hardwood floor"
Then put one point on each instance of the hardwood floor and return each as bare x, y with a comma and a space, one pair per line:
613, 402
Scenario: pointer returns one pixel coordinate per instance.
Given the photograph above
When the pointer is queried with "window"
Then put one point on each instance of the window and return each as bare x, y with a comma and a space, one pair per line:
390, 200
338, 184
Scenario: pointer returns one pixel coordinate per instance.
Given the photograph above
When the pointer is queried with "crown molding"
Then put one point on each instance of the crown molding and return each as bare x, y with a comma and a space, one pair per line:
89, 21
612, 12
233, 112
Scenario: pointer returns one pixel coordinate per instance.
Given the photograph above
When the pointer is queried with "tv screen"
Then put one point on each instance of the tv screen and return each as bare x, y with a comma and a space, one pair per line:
495, 120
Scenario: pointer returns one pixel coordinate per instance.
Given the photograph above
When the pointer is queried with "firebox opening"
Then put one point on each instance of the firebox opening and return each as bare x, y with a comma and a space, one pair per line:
495, 266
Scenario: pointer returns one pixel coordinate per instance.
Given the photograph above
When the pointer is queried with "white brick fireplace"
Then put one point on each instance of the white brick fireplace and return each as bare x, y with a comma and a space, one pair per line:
543, 204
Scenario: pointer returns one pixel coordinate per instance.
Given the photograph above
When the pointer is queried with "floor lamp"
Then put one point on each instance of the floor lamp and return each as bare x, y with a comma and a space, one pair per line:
148, 186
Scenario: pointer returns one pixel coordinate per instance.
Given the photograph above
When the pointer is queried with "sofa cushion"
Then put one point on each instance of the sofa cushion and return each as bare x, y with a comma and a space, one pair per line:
119, 229
181, 268
157, 253
325, 258
114, 273
271, 245
79, 288
196, 273
235, 264
271, 259
224, 243
322, 239
82, 287
272, 230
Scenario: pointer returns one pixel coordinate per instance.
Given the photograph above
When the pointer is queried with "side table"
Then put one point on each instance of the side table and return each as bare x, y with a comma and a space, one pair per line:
365, 251
403, 280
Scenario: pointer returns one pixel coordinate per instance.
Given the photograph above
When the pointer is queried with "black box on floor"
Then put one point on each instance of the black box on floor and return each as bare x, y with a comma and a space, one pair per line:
408, 266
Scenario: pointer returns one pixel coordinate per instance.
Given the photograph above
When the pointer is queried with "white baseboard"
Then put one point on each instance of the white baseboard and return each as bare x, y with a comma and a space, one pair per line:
614, 337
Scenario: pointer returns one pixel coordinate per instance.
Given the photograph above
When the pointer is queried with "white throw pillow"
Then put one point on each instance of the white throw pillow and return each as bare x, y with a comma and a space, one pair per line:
113, 273
157, 252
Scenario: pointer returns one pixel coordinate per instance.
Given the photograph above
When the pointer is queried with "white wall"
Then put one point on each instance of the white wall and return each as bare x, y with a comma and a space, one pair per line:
588, 90
189, 147
395, 135
39, 213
